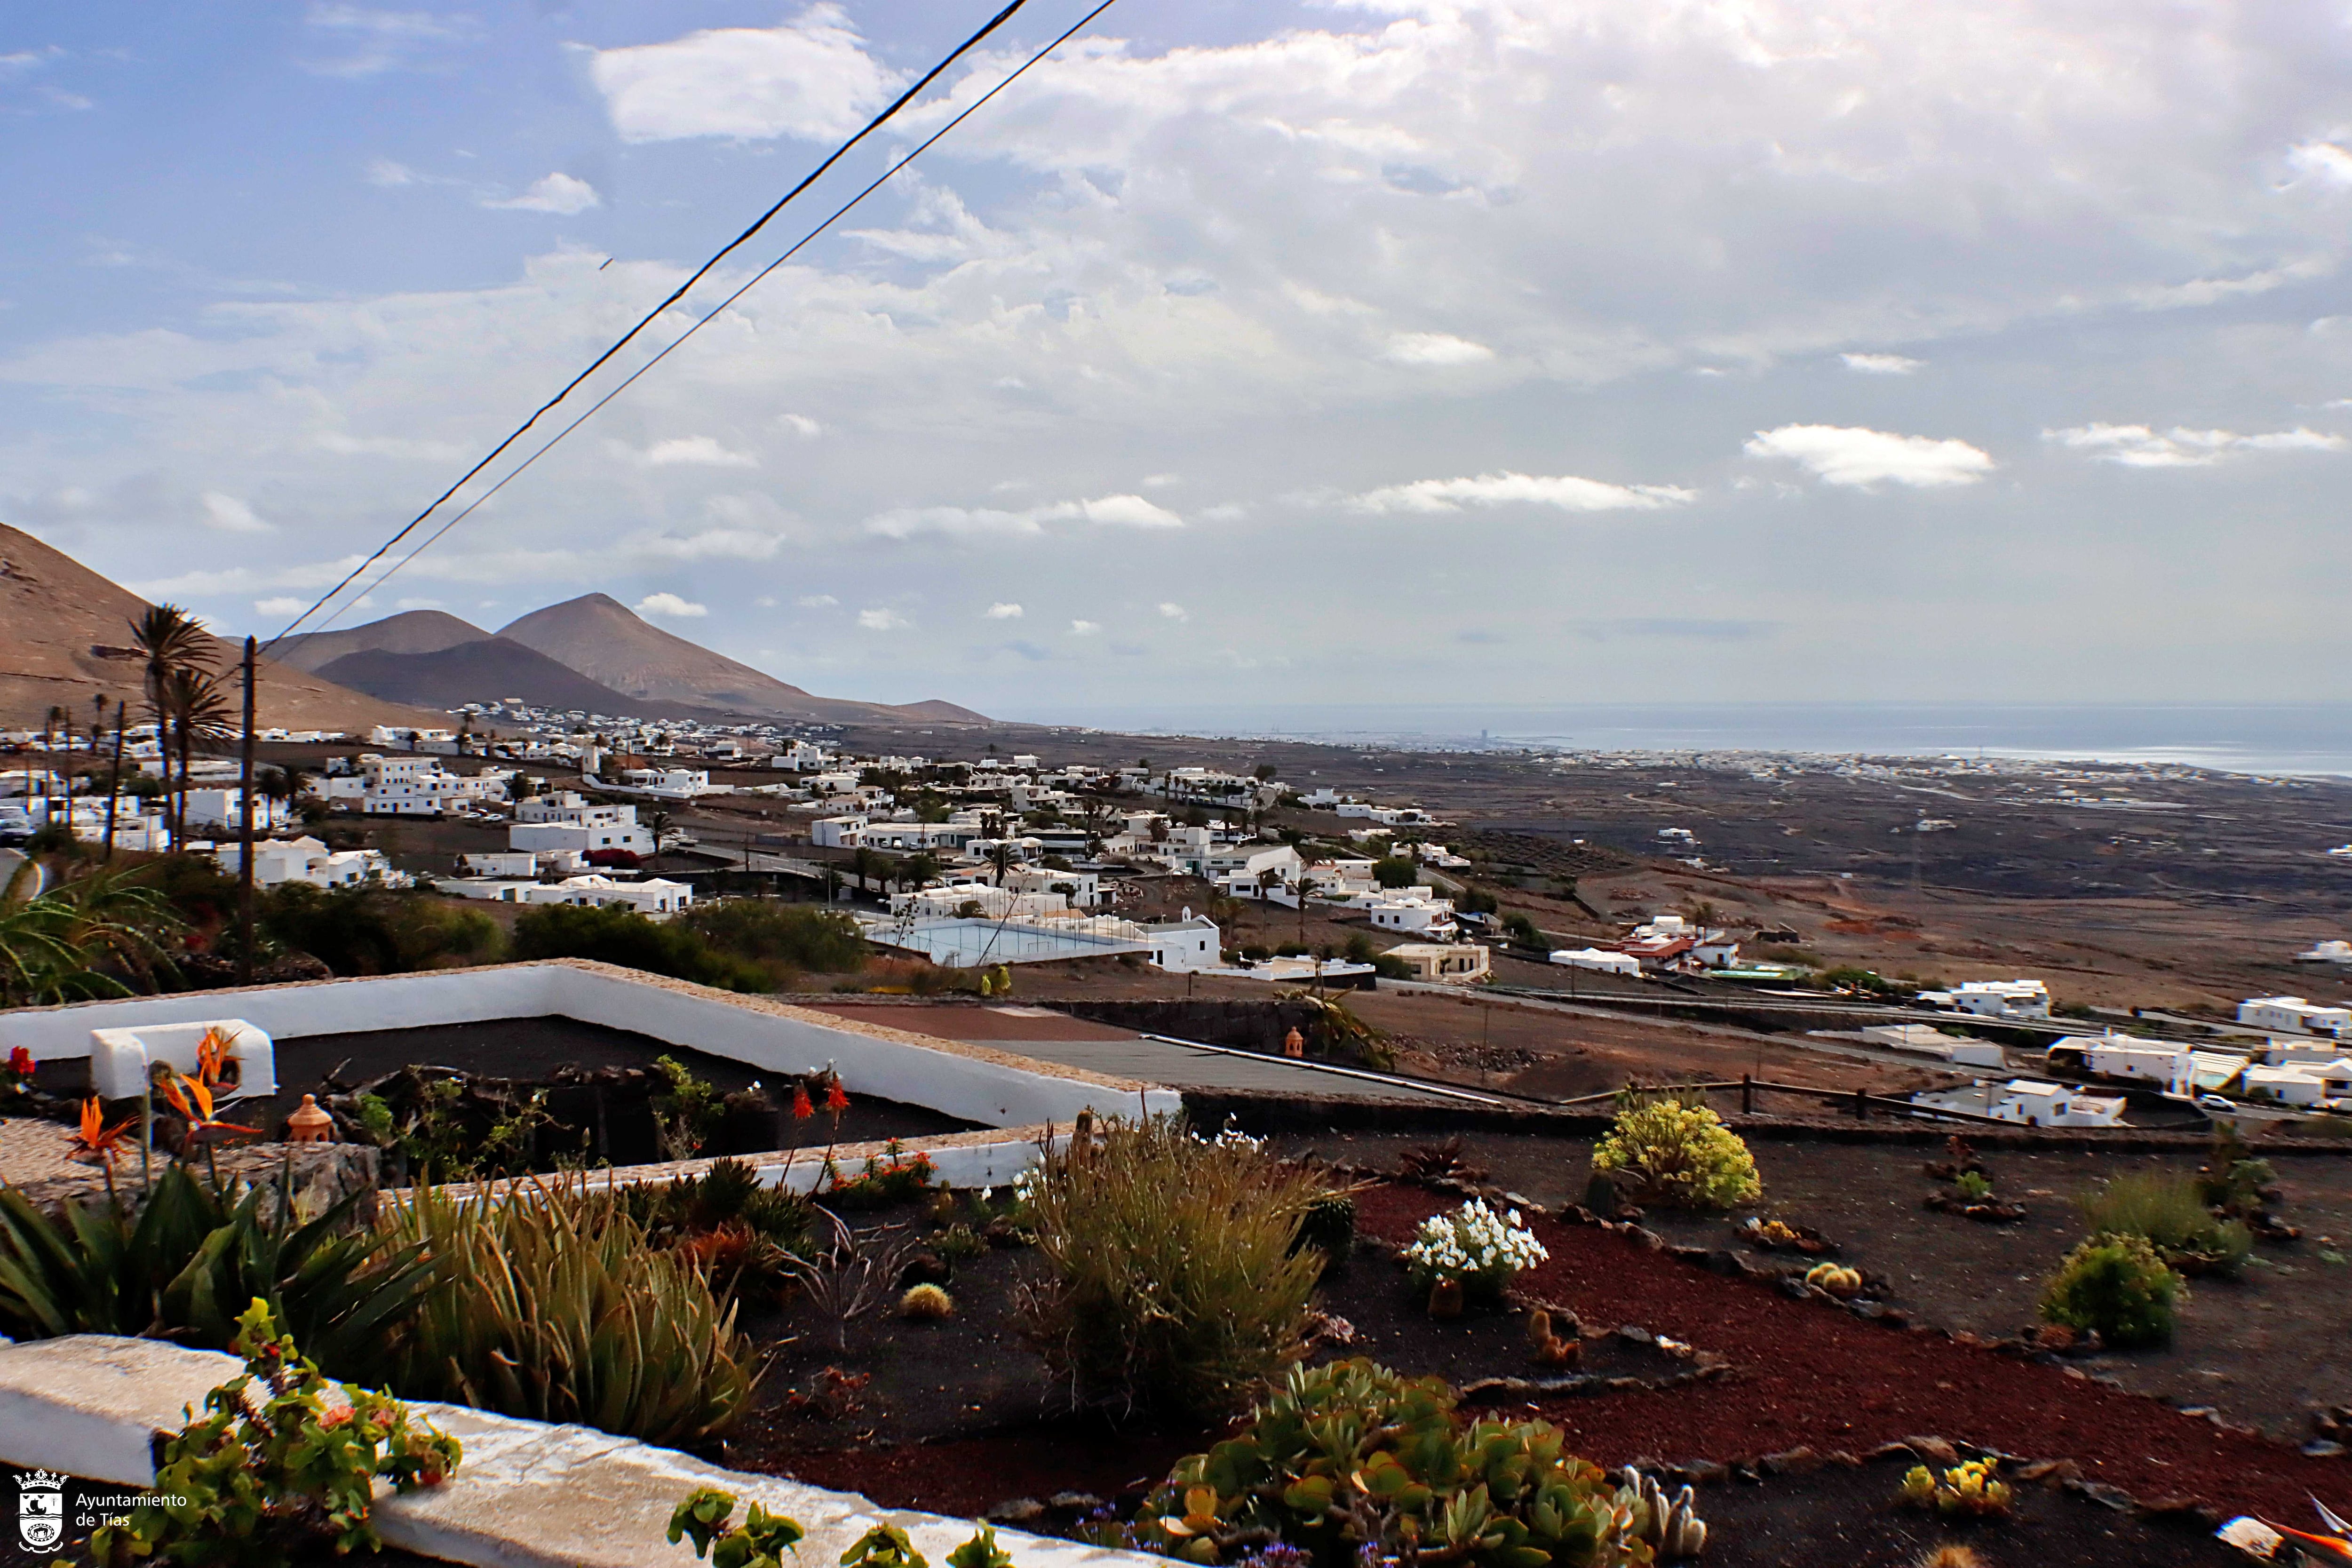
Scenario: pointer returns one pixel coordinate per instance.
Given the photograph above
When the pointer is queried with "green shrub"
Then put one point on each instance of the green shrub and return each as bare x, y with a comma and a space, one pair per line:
612, 935
281, 1463
1350, 1462
191, 1255
1683, 1153
550, 1304
2117, 1286
2170, 1213
375, 930
1524, 931
1395, 872
1170, 1279
786, 936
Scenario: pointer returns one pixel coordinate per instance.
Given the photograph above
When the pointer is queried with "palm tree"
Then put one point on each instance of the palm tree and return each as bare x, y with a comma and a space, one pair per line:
197, 706
171, 643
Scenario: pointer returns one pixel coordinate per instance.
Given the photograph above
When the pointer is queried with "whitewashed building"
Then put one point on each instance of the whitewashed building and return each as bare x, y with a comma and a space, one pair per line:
2294, 1016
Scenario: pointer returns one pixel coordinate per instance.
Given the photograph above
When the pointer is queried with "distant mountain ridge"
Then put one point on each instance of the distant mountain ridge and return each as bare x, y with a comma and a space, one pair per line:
411, 631
486, 668
592, 654
605, 640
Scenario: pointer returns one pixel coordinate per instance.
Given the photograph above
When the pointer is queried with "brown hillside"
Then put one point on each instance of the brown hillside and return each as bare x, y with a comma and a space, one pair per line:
484, 670
411, 631
604, 640
64, 638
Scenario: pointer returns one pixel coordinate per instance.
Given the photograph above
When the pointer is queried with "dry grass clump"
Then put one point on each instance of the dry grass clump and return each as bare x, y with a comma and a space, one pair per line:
1171, 1276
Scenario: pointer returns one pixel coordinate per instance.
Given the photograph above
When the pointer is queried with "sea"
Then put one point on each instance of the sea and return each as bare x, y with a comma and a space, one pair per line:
2267, 739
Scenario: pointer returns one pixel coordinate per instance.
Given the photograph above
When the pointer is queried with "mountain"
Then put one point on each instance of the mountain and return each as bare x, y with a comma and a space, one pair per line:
604, 640
413, 631
483, 669
67, 639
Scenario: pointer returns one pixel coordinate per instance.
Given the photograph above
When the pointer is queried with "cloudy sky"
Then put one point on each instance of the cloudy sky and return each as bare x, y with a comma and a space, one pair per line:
1519, 350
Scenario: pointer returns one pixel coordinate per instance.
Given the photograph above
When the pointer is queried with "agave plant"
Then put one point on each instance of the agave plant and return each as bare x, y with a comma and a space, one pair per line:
192, 1260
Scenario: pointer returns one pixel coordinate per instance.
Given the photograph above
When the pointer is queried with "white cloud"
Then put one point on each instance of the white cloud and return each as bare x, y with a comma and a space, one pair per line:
1566, 491
1841, 454
2139, 447
881, 620
1004, 612
810, 79
281, 604
557, 192
1085, 628
1881, 364
231, 515
1129, 512
957, 522
1435, 349
714, 544
1160, 481
670, 604
420, 603
694, 451
765, 601
2322, 160
1175, 612
816, 602
385, 171
801, 425
374, 41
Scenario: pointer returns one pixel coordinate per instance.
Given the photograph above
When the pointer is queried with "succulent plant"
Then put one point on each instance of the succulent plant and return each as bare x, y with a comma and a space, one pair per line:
1670, 1526
1352, 1457
1971, 1487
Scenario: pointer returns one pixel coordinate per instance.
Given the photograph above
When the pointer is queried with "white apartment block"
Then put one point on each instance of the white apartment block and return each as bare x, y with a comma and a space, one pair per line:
276, 862
1995, 999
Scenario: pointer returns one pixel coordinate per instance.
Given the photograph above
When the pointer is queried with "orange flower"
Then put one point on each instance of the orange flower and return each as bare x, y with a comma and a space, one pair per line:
95, 1137
836, 1098
802, 1109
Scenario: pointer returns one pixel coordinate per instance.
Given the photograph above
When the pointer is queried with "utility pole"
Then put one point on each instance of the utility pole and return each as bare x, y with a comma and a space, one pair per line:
114, 794
244, 833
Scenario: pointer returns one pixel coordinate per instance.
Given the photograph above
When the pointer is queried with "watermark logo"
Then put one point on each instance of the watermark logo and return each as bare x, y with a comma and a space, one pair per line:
40, 1509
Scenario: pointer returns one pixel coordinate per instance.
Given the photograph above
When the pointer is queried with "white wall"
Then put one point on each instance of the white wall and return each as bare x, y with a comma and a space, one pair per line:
995, 1094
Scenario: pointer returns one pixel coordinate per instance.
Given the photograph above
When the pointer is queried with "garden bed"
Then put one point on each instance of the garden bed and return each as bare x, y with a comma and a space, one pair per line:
961, 1415
2262, 1348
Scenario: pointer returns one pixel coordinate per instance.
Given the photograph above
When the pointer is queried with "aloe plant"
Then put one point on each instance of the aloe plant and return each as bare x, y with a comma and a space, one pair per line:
553, 1305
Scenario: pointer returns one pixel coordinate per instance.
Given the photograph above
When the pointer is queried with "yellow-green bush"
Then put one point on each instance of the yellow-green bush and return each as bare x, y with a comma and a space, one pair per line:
1683, 1153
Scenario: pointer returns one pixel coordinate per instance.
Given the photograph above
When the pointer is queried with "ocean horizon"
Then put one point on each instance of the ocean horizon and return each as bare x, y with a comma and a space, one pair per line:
2269, 739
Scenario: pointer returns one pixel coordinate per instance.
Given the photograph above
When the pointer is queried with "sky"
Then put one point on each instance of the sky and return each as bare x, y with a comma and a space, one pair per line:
1466, 350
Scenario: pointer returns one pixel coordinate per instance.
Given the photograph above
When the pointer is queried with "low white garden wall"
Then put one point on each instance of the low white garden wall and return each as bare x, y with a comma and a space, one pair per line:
526, 1494
994, 1088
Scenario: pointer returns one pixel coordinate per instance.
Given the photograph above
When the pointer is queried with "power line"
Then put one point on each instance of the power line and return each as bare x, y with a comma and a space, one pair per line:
674, 295
588, 412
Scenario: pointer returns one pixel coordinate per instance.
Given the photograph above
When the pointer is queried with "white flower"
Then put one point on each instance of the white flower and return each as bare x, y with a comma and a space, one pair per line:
1475, 1240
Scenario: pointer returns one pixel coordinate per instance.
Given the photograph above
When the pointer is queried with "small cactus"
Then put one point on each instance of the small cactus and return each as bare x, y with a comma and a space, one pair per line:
1445, 1299
1549, 1348
1671, 1526
926, 1303
1835, 1278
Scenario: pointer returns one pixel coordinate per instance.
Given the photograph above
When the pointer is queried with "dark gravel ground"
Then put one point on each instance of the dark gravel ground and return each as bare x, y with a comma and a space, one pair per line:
2260, 1349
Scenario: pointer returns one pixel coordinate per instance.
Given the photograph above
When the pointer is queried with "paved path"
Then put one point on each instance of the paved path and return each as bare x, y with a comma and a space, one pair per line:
1052, 1037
